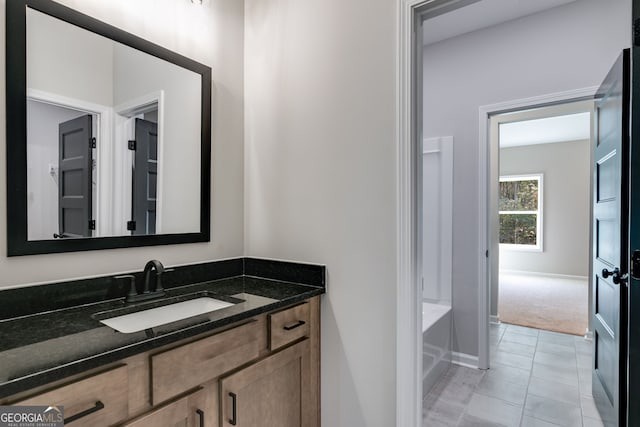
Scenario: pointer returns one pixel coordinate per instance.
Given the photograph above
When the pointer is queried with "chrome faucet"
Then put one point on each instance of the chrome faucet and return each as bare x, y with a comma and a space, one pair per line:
147, 293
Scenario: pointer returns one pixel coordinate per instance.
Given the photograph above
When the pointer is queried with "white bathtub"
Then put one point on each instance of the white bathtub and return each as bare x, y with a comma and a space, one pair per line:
436, 343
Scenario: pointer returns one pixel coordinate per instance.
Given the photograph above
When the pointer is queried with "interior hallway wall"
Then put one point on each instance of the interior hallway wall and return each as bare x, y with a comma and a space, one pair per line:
211, 33
565, 167
565, 48
321, 179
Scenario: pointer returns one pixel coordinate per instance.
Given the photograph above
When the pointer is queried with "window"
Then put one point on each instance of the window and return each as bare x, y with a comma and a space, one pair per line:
520, 211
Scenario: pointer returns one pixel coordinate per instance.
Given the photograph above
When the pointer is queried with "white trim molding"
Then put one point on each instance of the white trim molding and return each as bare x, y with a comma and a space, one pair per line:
463, 359
551, 275
485, 154
408, 331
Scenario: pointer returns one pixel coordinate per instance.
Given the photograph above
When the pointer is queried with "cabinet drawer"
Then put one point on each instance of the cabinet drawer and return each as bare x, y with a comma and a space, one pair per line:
100, 399
288, 325
187, 366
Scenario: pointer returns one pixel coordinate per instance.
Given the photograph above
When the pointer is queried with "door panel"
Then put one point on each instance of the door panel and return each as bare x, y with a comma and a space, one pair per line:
606, 301
606, 170
606, 238
74, 186
610, 213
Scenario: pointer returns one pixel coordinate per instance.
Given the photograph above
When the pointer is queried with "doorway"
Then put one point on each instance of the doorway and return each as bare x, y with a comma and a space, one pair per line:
540, 229
495, 76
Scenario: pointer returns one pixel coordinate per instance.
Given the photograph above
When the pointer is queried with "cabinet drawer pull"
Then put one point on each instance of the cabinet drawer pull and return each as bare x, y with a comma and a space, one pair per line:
295, 325
233, 418
200, 413
99, 405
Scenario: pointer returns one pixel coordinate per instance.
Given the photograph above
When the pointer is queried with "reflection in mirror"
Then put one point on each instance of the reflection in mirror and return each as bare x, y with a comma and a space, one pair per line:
108, 136
113, 137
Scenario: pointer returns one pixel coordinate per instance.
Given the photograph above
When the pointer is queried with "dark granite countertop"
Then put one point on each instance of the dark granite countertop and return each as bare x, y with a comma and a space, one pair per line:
39, 347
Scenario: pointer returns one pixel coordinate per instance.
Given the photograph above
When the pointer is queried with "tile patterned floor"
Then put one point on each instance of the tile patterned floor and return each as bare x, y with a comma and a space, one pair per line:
537, 379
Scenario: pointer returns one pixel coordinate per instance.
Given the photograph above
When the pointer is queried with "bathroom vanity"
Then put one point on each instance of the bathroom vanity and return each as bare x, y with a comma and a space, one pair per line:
119, 156
253, 362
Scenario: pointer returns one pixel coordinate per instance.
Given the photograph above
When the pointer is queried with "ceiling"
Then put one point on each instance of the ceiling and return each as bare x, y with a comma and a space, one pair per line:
472, 15
572, 127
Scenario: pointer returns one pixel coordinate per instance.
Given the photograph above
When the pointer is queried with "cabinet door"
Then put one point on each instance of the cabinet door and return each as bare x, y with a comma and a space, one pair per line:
185, 411
270, 393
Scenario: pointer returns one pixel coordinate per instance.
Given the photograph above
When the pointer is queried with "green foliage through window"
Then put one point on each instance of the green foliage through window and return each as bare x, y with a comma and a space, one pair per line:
519, 210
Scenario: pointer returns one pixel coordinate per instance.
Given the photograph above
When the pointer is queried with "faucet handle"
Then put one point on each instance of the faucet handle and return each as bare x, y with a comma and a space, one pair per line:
132, 283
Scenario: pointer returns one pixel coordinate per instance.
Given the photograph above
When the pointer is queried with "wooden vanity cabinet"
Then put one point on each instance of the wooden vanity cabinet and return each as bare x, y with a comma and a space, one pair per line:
267, 368
269, 393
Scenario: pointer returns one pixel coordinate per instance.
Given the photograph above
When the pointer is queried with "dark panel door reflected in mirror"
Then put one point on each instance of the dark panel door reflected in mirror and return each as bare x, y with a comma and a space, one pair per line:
145, 177
75, 138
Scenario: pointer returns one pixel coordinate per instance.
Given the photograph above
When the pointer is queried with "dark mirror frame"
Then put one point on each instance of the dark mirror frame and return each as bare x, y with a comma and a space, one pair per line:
16, 121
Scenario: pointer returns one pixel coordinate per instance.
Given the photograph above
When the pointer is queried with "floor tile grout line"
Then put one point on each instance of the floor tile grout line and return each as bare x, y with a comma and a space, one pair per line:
526, 394
579, 392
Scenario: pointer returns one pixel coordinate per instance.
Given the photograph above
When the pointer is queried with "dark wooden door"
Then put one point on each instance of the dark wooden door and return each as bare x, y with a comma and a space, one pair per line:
145, 177
74, 185
633, 345
610, 253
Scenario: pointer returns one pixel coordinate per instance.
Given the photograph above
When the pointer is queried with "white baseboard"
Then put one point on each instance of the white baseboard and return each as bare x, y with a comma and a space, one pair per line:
536, 273
588, 335
464, 359
494, 319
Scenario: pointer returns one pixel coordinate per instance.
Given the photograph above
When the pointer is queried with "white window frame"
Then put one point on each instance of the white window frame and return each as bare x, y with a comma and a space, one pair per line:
539, 232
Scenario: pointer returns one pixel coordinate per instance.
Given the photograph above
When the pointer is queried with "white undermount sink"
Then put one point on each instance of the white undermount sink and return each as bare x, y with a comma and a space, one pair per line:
141, 320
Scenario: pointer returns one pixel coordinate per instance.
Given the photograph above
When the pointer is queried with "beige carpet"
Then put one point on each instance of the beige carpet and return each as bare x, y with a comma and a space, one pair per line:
541, 302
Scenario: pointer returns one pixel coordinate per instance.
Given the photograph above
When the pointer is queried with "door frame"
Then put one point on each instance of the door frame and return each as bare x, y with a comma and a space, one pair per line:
408, 209
488, 151
408, 205
124, 114
410, 15
104, 120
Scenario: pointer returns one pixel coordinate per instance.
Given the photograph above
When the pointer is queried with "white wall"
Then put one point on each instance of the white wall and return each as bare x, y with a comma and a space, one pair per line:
137, 74
565, 228
67, 60
321, 177
212, 34
565, 48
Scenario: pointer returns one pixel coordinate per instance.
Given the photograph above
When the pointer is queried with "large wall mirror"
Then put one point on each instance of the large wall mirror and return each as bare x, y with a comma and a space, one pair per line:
108, 136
